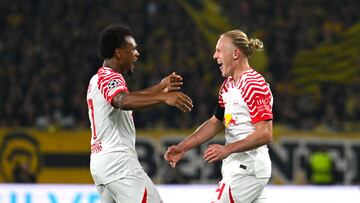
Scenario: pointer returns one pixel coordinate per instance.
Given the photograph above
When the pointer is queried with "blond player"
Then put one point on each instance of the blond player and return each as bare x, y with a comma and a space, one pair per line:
245, 112
114, 164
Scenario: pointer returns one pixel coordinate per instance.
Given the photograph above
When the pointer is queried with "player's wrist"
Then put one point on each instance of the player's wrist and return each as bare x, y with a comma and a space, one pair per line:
162, 84
183, 148
229, 149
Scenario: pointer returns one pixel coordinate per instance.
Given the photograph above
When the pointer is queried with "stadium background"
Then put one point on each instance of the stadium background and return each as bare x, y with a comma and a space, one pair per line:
48, 54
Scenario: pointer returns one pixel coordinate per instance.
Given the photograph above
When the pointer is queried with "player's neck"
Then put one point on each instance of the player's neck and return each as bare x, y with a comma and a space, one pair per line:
240, 69
110, 63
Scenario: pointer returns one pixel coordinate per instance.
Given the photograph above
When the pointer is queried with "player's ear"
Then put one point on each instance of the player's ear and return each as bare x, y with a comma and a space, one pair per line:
236, 54
117, 53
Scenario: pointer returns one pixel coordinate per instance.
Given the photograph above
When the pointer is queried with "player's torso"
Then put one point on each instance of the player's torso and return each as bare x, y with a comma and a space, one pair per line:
239, 102
113, 127
113, 151
237, 119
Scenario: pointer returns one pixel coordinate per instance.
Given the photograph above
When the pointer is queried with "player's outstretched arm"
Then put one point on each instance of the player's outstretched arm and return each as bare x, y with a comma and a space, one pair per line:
133, 100
205, 132
172, 82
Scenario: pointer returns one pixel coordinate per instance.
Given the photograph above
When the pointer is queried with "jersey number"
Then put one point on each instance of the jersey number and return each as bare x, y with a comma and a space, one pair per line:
91, 107
220, 189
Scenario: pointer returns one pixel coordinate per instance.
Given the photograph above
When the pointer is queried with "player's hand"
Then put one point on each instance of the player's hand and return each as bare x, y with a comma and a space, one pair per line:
215, 152
171, 82
179, 100
173, 155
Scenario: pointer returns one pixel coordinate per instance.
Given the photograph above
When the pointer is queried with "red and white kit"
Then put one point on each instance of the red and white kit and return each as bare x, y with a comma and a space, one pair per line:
114, 162
246, 102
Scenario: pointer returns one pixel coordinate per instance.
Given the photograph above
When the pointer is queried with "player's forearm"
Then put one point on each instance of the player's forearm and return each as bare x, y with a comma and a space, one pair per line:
134, 101
153, 89
205, 132
261, 136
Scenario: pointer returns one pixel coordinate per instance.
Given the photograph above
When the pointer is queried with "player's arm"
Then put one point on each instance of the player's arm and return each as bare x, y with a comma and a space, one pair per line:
169, 83
205, 132
261, 136
134, 100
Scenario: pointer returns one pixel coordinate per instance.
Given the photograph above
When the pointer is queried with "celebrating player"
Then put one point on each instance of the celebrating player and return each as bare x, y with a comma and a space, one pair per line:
244, 110
114, 164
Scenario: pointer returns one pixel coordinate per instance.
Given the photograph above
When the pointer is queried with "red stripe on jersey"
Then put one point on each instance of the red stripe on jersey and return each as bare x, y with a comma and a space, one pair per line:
144, 199
118, 84
249, 72
104, 80
221, 102
109, 99
257, 95
223, 88
254, 91
245, 82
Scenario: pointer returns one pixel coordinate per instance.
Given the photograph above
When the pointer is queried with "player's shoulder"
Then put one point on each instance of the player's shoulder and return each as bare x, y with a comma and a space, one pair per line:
251, 73
107, 74
252, 77
95, 77
105, 71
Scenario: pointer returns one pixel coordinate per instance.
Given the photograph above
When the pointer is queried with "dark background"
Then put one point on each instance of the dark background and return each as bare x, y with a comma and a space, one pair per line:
48, 54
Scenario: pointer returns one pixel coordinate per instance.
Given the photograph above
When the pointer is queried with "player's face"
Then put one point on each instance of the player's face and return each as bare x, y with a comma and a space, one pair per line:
129, 56
224, 51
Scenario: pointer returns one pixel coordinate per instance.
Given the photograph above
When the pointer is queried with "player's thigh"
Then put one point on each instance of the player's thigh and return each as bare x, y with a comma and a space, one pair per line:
241, 189
248, 189
130, 188
262, 198
104, 194
152, 194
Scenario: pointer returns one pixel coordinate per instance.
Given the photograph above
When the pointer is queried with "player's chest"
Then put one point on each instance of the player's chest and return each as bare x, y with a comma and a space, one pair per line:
236, 109
234, 101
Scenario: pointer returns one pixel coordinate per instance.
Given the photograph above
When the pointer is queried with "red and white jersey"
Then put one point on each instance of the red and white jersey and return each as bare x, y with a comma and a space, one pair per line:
246, 101
113, 152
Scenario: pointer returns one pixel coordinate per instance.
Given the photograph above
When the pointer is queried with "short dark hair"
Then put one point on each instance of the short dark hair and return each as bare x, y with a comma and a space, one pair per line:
110, 38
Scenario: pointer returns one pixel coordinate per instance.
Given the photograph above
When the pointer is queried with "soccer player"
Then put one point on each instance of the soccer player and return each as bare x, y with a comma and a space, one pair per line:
244, 110
114, 164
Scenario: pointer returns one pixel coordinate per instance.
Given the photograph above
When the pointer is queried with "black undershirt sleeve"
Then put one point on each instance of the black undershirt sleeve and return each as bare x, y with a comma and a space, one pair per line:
219, 112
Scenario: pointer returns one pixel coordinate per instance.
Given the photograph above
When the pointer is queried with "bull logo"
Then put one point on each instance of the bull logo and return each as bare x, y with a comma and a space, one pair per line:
229, 121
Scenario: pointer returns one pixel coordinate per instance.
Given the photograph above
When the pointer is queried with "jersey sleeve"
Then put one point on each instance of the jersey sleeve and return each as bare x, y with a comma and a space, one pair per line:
110, 84
258, 97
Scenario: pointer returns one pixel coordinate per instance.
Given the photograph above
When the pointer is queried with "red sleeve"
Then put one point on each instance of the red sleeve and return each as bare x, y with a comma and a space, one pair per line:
259, 99
111, 83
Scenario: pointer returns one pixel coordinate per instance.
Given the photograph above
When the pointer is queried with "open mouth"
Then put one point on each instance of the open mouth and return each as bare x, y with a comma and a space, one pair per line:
221, 65
134, 62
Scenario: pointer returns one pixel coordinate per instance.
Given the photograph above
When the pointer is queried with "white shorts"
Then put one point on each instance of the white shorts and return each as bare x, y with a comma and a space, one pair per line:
241, 189
135, 187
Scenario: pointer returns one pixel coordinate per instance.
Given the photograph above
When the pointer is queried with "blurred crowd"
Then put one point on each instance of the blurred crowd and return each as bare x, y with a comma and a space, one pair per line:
48, 54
